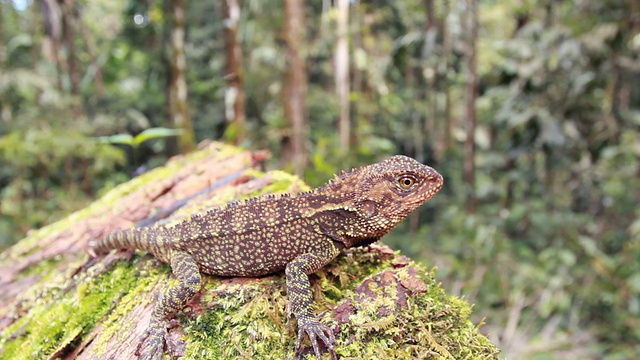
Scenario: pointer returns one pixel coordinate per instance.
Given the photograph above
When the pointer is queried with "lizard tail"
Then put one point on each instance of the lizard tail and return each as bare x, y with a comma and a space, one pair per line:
122, 239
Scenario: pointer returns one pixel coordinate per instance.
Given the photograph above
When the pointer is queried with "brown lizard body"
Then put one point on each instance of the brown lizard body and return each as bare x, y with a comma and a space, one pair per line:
296, 233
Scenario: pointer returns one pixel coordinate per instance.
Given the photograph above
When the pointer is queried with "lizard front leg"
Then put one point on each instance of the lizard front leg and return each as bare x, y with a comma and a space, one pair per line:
171, 301
301, 299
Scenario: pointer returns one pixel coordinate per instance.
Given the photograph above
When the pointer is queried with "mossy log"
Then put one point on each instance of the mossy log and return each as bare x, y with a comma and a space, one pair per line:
56, 302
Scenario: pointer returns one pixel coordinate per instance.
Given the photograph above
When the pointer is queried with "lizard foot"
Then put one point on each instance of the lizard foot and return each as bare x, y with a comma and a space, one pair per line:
316, 330
153, 341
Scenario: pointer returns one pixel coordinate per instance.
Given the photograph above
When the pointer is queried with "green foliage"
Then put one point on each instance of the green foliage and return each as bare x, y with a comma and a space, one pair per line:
551, 253
49, 170
134, 142
52, 164
62, 313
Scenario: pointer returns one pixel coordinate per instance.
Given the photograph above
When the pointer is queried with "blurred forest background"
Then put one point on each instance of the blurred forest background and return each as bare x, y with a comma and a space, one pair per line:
529, 108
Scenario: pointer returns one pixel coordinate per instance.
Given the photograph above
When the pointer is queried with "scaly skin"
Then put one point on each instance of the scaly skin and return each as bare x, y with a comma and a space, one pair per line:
296, 233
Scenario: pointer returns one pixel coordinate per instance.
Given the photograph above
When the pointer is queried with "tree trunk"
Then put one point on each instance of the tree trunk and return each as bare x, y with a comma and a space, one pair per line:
431, 77
295, 87
68, 29
36, 31
471, 34
234, 94
426, 88
341, 59
95, 64
325, 18
179, 106
53, 28
446, 64
5, 103
356, 18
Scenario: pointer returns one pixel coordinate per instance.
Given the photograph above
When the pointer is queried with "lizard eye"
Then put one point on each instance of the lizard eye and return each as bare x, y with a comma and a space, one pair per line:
406, 182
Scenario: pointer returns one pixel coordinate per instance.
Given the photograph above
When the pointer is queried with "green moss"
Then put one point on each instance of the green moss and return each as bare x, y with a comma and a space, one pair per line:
280, 182
244, 321
136, 291
58, 318
432, 325
339, 276
247, 318
45, 269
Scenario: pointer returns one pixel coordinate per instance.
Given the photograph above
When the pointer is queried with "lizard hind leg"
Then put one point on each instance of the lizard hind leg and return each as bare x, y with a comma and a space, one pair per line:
170, 301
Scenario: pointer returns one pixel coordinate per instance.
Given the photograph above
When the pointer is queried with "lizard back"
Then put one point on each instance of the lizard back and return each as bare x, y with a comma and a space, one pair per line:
251, 238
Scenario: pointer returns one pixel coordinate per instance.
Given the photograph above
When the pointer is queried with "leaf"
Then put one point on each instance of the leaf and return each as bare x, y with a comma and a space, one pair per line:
154, 133
19, 41
518, 119
596, 39
125, 139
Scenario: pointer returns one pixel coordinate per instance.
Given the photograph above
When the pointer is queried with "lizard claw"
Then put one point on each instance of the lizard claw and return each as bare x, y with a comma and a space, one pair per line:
152, 342
316, 330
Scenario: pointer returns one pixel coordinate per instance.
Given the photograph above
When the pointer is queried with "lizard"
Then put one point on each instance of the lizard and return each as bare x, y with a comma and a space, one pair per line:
295, 233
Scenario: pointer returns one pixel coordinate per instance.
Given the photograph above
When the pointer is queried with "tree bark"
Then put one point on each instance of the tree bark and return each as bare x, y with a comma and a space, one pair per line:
430, 78
68, 29
179, 106
6, 112
471, 34
447, 55
295, 87
97, 68
341, 60
53, 28
357, 83
234, 94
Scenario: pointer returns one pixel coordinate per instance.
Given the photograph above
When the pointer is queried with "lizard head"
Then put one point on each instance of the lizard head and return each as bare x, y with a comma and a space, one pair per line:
385, 193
